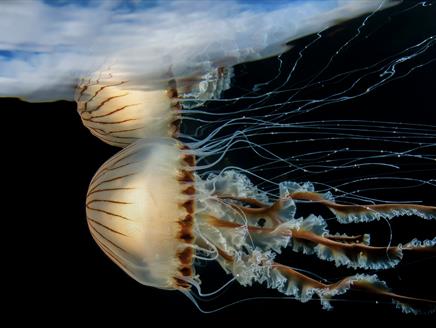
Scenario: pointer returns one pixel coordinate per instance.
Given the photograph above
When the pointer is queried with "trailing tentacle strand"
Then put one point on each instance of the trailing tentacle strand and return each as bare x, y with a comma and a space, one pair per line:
303, 287
311, 236
367, 213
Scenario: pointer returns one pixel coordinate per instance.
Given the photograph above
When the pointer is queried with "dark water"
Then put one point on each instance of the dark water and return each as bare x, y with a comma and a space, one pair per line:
58, 269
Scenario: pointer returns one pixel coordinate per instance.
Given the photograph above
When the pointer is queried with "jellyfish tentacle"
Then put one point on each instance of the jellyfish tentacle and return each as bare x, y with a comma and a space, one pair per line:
275, 238
257, 266
304, 288
277, 213
248, 200
247, 245
353, 255
310, 236
366, 213
415, 245
407, 304
364, 238
293, 283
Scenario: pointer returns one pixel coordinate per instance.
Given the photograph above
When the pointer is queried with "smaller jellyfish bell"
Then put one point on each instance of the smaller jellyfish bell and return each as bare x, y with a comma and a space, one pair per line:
153, 215
119, 111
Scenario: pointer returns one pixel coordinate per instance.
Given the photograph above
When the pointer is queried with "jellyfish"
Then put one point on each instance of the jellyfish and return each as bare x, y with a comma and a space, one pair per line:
118, 113
154, 216
119, 105
167, 171
174, 197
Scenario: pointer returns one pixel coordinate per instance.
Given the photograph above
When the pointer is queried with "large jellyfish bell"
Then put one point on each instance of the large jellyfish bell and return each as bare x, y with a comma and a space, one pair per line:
154, 216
